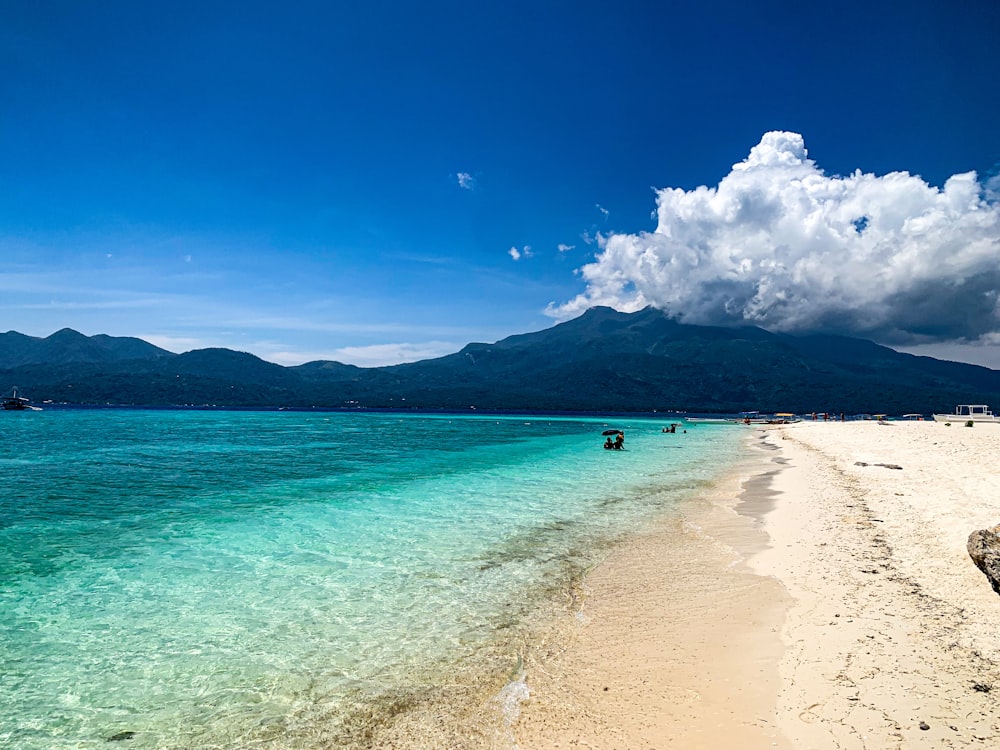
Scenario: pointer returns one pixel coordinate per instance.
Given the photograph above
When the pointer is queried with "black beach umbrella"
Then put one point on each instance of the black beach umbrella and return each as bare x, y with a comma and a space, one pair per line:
612, 432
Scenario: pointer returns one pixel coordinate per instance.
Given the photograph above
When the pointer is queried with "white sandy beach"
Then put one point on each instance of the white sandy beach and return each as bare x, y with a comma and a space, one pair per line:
826, 605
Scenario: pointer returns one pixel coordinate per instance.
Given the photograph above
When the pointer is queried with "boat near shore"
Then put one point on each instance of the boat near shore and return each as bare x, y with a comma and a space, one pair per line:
13, 402
784, 418
747, 417
969, 413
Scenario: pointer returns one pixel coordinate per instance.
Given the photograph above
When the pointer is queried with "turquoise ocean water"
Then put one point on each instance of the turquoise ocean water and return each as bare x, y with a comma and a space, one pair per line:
182, 579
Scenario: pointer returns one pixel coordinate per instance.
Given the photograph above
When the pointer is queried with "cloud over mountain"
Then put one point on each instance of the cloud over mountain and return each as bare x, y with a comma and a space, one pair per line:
780, 244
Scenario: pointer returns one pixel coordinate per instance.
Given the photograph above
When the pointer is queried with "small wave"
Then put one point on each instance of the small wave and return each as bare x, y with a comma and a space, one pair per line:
508, 703
690, 527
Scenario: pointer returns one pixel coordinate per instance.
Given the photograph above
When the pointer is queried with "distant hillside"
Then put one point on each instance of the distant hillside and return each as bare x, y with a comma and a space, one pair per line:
602, 361
68, 346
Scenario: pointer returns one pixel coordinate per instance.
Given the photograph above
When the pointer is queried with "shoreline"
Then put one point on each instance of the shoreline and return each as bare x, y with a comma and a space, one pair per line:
812, 603
677, 640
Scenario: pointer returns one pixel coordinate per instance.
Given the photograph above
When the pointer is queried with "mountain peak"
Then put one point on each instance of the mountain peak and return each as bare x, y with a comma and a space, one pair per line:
603, 360
65, 333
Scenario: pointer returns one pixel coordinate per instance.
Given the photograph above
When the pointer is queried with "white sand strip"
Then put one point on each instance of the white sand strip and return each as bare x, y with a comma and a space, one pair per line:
894, 639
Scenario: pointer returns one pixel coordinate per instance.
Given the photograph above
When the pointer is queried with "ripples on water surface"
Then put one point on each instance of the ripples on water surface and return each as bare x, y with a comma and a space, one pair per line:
223, 579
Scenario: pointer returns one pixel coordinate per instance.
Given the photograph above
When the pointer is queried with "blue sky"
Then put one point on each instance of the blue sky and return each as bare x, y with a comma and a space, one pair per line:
382, 181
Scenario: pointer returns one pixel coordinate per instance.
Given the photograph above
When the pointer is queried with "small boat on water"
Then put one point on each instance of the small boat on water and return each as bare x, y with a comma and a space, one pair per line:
783, 417
750, 417
13, 402
746, 417
969, 413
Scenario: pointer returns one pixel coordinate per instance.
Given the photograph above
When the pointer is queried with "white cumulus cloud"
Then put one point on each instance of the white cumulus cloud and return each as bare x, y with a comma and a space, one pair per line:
466, 180
780, 244
564, 248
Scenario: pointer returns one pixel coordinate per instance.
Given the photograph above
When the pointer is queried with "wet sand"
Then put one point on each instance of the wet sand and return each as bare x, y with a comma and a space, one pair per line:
809, 603
677, 641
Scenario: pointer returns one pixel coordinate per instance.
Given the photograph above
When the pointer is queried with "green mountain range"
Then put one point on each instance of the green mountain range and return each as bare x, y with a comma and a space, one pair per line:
602, 361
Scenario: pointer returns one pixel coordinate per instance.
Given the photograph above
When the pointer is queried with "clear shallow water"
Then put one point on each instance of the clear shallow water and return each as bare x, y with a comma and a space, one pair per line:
215, 579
